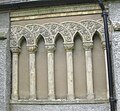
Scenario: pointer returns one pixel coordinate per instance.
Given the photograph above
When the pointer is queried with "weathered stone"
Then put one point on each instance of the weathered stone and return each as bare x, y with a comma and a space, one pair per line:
115, 18
4, 63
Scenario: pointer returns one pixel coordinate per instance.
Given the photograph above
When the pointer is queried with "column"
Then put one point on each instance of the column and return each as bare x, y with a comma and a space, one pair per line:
106, 68
69, 56
50, 57
32, 72
89, 71
15, 61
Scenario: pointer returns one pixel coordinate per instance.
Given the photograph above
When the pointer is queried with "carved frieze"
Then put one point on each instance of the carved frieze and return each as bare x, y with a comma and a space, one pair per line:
91, 25
55, 29
49, 31
76, 27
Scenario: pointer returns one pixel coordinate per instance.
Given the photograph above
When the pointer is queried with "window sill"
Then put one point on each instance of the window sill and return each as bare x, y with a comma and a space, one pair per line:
59, 102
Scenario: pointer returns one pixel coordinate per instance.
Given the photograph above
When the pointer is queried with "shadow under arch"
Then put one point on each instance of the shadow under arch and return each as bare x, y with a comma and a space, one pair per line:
99, 71
98, 34
79, 68
41, 69
23, 70
77, 34
58, 36
21, 40
38, 38
60, 69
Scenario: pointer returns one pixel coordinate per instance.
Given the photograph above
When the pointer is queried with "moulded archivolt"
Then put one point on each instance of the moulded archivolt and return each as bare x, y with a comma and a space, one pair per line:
17, 32
49, 31
56, 28
39, 30
91, 25
75, 27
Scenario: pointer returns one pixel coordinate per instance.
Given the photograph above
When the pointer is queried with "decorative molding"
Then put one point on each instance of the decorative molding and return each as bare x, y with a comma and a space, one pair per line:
103, 45
50, 48
32, 49
51, 12
88, 46
15, 50
49, 31
74, 27
69, 47
91, 25
56, 29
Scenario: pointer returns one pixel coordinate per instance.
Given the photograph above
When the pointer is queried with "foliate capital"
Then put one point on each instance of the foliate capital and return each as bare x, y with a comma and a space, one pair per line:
88, 46
32, 49
69, 47
15, 50
50, 48
103, 45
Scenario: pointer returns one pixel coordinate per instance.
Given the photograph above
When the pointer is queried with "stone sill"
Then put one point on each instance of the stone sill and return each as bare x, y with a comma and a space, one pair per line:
58, 102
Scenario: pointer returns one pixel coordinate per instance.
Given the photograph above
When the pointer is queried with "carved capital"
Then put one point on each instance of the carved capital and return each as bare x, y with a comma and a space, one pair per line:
32, 49
88, 46
103, 45
15, 50
50, 48
69, 47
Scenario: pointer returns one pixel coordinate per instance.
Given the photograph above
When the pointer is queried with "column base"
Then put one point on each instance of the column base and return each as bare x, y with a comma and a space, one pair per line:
51, 97
70, 97
90, 96
14, 97
32, 97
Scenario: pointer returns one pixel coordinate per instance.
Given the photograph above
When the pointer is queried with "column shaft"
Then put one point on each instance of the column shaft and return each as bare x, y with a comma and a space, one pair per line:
106, 68
15, 62
69, 56
32, 72
51, 86
89, 70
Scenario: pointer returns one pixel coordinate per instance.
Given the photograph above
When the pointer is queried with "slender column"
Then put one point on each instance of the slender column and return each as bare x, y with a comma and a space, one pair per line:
89, 71
51, 86
32, 72
69, 57
15, 54
106, 68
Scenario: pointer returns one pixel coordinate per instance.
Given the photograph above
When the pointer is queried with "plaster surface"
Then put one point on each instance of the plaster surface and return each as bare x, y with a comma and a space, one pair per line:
4, 64
81, 107
114, 14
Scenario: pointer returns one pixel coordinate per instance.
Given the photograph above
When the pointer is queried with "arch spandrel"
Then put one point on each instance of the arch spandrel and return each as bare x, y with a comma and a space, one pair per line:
38, 31
17, 33
56, 28
75, 27
91, 25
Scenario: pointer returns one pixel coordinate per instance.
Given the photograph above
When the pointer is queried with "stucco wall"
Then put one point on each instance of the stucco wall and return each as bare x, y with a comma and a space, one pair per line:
114, 14
4, 62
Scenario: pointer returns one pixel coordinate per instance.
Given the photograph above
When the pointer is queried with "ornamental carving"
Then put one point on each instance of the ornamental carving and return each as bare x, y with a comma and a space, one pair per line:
15, 50
32, 49
92, 26
55, 29
76, 27
50, 48
49, 31
38, 30
17, 33
88, 46
69, 47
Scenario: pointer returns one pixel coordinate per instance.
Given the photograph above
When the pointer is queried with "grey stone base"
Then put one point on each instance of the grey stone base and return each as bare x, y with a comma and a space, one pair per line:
81, 107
